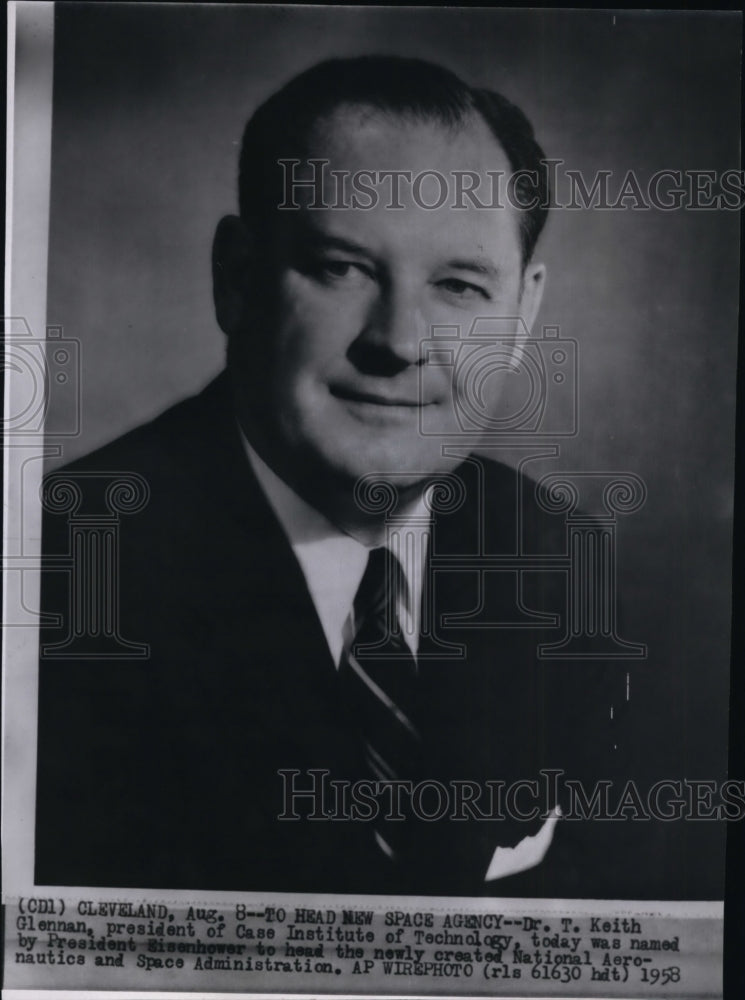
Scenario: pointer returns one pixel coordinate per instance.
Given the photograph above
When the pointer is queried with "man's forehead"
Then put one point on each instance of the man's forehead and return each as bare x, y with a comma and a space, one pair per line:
363, 137
371, 229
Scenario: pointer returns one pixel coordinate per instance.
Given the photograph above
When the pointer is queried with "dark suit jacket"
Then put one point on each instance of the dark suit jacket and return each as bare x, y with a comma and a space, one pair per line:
162, 771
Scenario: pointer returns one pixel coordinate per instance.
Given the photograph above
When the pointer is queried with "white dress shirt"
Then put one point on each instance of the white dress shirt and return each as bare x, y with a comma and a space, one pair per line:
333, 561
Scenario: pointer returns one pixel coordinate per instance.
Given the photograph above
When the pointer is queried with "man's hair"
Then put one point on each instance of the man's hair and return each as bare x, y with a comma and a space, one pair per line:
280, 128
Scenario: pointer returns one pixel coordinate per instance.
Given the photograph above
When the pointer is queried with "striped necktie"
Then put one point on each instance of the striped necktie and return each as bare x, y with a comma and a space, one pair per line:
378, 674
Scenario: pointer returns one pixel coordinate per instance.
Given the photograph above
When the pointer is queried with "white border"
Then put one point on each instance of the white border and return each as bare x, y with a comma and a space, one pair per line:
29, 146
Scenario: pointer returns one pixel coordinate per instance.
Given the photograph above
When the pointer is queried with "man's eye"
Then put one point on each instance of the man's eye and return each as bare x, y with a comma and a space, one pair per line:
337, 269
463, 289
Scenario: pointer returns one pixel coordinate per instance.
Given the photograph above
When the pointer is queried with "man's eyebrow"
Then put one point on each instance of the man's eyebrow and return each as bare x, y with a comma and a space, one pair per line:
477, 265
329, 241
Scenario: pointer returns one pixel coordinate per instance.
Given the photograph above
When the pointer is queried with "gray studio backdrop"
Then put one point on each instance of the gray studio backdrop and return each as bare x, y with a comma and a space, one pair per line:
149, 106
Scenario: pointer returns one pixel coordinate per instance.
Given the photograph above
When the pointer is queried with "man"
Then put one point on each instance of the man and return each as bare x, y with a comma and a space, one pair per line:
312, 607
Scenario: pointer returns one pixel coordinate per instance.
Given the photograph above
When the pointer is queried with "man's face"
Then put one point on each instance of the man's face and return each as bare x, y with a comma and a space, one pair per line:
346, 386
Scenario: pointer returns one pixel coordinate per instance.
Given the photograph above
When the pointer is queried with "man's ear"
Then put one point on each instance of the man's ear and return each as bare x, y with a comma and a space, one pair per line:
232, 256
534, 281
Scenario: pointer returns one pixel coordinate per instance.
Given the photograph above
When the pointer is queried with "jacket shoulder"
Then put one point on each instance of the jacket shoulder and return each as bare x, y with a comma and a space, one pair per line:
185, 429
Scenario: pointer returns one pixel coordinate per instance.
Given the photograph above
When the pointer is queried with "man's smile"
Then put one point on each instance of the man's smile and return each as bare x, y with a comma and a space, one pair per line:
377, 398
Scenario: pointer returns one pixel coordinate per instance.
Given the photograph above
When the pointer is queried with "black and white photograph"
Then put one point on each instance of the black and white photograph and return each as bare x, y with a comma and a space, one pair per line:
370, 382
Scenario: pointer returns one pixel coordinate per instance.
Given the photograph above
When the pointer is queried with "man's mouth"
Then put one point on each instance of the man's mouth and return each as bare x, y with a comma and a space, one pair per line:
355, 395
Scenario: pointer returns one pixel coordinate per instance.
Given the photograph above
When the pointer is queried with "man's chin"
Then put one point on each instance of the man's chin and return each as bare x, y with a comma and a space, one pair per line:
379, 465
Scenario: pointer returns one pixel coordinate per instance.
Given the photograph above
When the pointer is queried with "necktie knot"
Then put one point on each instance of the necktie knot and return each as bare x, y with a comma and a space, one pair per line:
383, 585
383, 592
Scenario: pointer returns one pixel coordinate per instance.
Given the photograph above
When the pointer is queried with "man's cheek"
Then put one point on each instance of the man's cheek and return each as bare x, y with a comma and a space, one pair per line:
318, 333
304, 305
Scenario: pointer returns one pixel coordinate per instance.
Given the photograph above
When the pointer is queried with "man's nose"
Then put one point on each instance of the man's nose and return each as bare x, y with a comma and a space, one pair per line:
394, 329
